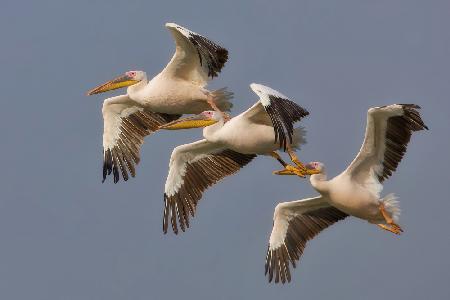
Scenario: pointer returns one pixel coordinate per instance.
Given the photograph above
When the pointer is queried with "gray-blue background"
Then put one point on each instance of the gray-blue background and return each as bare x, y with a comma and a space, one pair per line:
64, 235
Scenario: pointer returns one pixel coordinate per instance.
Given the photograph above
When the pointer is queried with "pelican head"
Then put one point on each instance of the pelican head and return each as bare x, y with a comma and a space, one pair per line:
316, 166
127, 79
204, 119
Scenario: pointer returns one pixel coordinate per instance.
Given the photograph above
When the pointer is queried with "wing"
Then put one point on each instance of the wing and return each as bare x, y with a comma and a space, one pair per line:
125, 126
388, 131
294, 224
276, 110
192, 169
196, 58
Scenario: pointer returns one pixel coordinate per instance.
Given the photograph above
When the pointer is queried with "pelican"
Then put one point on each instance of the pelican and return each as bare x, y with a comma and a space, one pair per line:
263, 129
178, 89
355, 192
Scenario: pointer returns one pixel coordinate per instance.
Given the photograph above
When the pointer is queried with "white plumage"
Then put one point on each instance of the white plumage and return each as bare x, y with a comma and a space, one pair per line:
178, 89
193, 60
228, 146
183, 155
356, 191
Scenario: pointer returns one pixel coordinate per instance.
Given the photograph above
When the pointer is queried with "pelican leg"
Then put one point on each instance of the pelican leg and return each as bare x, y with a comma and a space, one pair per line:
294, 158
288, 169
277, 156
391, 225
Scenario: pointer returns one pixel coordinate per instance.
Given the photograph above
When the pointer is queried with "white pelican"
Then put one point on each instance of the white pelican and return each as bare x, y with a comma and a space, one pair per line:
178, 89
355, 192
261, 130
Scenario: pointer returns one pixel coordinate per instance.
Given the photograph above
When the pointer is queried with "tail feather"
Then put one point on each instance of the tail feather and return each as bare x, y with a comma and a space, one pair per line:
392, 206
222, 98
299, 138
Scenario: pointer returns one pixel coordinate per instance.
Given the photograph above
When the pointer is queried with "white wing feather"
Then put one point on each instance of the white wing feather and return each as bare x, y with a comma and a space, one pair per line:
192, 169
276, 110
285, 211
125, 127
388, 132
295, 223
196, 58
181, 155
113, 110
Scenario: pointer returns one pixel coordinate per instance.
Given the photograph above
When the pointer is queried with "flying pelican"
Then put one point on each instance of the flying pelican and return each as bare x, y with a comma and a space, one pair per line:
263, 129
178, 89
355, 192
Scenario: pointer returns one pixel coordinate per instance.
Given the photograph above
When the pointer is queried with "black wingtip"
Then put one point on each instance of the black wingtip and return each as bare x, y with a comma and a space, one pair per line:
215, 55
411, 111
283, 114
165, 217
410, 105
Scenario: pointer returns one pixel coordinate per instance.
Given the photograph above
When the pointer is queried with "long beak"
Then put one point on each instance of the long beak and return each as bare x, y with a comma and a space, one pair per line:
117, 83
196, 121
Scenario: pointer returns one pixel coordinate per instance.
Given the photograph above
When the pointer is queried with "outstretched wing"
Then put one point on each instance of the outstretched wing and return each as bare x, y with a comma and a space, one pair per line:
276, 110
125, 126
196, 58
294, 224
388, 132
192, 169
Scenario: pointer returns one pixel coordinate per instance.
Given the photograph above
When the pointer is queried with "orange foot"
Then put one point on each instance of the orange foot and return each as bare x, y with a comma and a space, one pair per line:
291, 170
391, 225
394, 228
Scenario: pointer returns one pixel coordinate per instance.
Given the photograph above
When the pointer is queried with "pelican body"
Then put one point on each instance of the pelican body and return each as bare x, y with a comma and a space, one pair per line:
355, 192
163, 95
242, 135
178, 89
227, 146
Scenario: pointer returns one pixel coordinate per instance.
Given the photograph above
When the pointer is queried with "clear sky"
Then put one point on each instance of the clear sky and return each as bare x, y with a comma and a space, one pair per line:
65, 235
